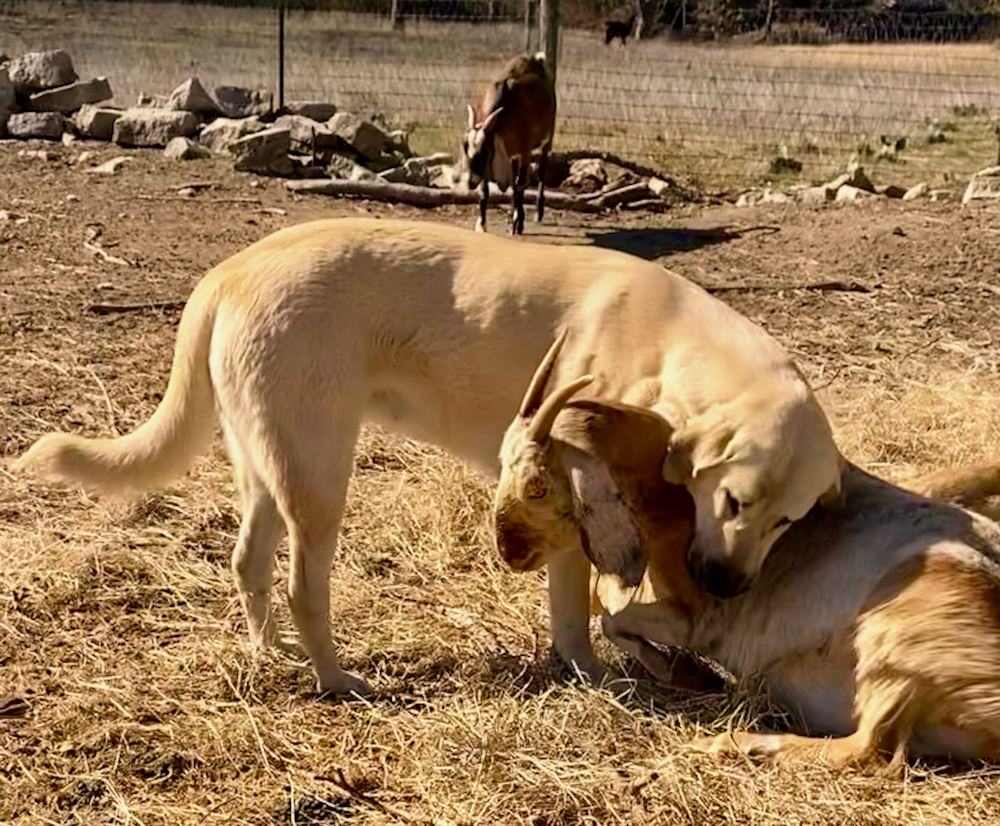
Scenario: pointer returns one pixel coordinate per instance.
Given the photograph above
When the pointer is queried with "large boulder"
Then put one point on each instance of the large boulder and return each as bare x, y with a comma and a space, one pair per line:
311, 109
586, 175
265, 153
67, 99
37, 71
364, 136
96, 122
25, 125
237, 102
191, 96
221, 133
304, 130
153, 127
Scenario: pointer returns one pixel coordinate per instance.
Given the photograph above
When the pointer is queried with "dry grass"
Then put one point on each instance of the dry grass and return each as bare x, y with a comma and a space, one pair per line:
716, 113
119, 628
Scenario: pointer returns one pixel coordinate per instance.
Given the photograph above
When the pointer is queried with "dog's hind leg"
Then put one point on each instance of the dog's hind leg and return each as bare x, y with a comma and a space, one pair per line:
253, 557
311, 494
831, 751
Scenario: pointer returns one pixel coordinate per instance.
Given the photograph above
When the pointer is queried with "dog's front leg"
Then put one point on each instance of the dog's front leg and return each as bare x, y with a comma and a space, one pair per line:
569, 609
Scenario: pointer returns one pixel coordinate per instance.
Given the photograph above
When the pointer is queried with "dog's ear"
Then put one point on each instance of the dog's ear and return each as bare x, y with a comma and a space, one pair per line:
610, 536
703, 442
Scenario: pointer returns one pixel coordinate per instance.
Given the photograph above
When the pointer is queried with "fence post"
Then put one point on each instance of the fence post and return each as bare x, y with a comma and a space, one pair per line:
548, 25
281, 57
527, 25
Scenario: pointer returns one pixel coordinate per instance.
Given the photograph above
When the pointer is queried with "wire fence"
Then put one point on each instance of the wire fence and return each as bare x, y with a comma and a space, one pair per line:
715, 112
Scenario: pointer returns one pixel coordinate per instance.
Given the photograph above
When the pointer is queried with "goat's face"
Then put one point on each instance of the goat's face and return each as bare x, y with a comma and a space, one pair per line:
478, 147
533, 508
752, 470
554, 497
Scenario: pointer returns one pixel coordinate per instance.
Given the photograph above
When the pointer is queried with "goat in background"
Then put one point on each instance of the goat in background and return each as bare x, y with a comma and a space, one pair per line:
515, 116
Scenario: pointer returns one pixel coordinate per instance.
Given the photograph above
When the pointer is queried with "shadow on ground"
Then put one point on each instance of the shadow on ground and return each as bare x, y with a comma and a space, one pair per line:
656, 242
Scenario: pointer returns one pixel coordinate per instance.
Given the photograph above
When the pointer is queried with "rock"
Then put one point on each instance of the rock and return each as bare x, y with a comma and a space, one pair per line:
414, 171
936, 136
185, 149
399, 142
68, 139
153, 127
984, 185
345, 168
109, 167
816, 194
49, 125
388, 160
191, 96
775, 197
7, 98
442, 177
67, 99
586, 175
851, 193
237, 102
96, 122
303, 130
265, 153
657, 186
220, 134
858, 179
364, 136
37, 71
891, 191
313, 110
915, 192
749, 199
35, 154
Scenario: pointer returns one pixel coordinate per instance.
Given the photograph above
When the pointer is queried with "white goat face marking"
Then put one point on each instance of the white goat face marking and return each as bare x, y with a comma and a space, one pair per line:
476, 152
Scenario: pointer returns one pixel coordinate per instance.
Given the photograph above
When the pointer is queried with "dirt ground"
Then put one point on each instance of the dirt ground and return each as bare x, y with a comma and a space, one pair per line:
128, 692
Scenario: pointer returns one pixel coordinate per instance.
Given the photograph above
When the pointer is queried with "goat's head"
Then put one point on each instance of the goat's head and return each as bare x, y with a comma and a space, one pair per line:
482, 151
553, 497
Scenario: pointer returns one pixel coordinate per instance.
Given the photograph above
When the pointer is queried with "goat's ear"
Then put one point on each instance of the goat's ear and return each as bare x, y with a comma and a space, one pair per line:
472, 116
610, 536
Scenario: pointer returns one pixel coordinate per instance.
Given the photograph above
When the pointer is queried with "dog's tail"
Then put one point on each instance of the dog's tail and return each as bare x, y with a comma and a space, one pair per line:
161, 448
968, 487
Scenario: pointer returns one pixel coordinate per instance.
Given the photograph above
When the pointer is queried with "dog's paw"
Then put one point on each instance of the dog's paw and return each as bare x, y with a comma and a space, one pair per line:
343, 686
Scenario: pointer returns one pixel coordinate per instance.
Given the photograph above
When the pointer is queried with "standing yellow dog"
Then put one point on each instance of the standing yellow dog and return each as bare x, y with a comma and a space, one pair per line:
435, 331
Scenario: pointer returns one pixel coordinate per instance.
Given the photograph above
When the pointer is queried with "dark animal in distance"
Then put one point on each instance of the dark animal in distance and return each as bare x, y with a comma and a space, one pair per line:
616, 28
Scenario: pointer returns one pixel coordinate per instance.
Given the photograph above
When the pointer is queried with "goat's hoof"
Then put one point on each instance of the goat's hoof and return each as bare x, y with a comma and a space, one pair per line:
480, 227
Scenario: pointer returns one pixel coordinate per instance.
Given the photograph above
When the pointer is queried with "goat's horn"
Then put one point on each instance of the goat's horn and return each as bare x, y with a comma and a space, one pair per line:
546, 415
472, 116
536, 390
491, 118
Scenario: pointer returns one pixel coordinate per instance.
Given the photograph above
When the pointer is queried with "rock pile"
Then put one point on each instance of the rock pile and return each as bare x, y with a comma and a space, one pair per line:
852, 185
42, 97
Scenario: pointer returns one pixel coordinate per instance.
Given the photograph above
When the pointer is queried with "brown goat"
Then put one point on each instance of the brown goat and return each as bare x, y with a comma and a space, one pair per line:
515, 116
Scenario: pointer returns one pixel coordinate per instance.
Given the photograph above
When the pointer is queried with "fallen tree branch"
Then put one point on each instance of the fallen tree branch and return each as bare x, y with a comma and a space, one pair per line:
431, 198
823, 286
105, 309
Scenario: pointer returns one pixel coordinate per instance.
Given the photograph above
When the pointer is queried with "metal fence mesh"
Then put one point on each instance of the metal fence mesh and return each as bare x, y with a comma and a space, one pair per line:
715, 112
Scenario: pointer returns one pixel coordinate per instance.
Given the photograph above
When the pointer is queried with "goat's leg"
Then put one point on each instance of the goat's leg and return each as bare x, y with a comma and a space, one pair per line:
543, 163
484, 197
519, 178
569, 611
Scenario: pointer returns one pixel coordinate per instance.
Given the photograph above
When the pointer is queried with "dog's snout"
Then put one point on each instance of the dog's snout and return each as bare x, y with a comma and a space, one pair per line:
716, 578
